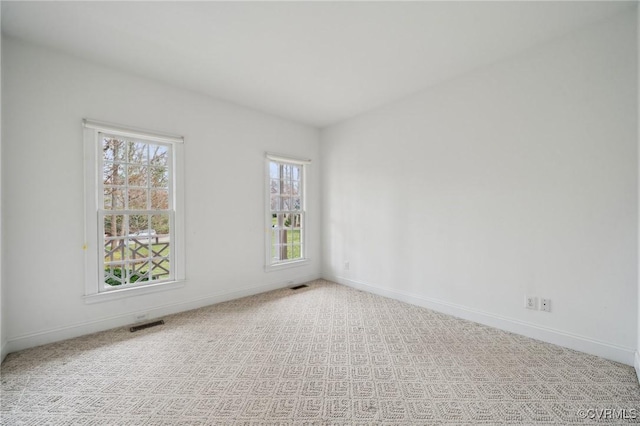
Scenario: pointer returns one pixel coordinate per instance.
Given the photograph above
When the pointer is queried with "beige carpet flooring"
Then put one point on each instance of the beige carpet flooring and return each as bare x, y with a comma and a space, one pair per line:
322, 355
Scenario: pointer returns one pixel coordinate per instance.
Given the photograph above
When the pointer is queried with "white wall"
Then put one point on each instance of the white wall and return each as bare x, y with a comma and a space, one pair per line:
519, 178
45, 98
637, 355
3, 323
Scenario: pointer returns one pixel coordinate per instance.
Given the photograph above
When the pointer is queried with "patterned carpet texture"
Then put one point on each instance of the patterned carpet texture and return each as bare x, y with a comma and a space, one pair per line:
322, 355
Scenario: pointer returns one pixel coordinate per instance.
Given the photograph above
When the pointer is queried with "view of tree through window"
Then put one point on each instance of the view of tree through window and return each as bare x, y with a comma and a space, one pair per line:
286, 211
136, 210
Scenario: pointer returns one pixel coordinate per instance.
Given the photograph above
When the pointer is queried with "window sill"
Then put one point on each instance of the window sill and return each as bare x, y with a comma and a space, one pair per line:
131, 292
287, 265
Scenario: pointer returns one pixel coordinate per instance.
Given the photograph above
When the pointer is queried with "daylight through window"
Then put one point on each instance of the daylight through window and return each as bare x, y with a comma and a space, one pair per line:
136, 213
286, 213
132, 215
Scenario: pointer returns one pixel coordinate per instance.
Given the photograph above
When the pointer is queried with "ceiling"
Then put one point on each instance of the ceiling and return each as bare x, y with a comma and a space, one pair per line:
313, 62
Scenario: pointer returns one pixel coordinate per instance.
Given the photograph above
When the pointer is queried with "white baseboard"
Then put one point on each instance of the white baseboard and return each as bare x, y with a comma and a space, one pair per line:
636, 364
557, 337
62, 333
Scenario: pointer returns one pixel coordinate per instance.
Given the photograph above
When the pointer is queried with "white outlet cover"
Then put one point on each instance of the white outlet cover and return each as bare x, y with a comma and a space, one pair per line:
545, 305
531, 302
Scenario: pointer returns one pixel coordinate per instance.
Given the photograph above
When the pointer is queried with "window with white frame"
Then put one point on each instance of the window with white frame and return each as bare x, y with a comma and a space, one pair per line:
133, 208
286, 215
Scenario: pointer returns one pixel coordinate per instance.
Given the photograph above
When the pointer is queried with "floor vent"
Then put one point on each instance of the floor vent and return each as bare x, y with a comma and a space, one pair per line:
147, 325
298, 287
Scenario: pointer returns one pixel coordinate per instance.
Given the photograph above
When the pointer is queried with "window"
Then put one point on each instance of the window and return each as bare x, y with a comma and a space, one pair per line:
286, 215
134, 225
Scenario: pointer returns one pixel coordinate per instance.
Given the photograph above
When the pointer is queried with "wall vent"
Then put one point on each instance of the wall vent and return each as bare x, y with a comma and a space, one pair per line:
147, 325
298, 287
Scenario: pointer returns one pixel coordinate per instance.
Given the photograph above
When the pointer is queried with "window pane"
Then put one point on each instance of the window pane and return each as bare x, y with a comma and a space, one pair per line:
113, 275
114, 225
274, 247
274, 170
275, 186
297, 173
114, 149
112, 174
275, 203
138, 272
159, 177
138, 246
113, 199
159, 155
285, 171
295, 188
114, 250
138, 153
107, 202
137, 176
159, 199
160, 269
137, 199
282, 236
283, 220
286, 203
160, 225
297, 221
161, 247
296, 203
285, 187
282, 253
138, 222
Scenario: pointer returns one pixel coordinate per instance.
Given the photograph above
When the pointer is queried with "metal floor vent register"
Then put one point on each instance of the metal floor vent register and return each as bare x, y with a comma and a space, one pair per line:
147, 325
298, 287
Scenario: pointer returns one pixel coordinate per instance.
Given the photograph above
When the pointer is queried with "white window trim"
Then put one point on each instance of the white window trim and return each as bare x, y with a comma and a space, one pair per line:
267, 212
93, 275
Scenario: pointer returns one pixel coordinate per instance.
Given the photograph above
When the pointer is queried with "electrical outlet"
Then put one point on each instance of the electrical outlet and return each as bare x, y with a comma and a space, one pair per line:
531, 302
545, 305
346, 265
